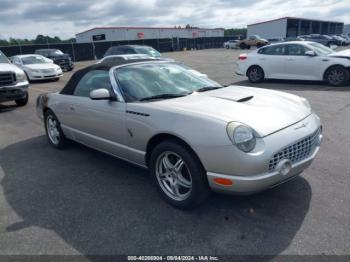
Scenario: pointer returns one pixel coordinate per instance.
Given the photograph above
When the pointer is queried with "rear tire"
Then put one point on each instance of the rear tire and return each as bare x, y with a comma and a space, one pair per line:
53, 130
255, 74
337, 76
22, 101
248, 47
178, 175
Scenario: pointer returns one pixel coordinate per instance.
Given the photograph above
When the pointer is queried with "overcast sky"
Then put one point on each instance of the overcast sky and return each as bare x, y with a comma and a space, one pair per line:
65, 18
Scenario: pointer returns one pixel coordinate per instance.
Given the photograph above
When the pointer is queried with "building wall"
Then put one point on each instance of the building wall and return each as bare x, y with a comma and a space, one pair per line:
346, 29
122, 34
292, 27
271, 29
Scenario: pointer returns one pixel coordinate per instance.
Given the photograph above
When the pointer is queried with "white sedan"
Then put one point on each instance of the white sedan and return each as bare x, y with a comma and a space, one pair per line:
37, 67
297, 60
230, 44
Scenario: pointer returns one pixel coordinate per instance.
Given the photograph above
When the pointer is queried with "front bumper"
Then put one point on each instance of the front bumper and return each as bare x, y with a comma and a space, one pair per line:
43, 76
257, 183
261, 169
65, 64
10, 93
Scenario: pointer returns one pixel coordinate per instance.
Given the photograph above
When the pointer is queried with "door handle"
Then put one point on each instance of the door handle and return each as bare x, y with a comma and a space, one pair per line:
71, 107
290, 59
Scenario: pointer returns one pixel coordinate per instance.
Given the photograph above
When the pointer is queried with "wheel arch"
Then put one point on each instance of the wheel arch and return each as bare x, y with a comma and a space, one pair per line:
161, 137
328, 68
246, 73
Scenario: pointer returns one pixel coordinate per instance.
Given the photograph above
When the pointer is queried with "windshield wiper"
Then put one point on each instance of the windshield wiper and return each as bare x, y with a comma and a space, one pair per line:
207, 88
164, 96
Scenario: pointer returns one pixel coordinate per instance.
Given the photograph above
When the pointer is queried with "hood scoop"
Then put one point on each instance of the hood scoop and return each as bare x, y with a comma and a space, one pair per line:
243, 99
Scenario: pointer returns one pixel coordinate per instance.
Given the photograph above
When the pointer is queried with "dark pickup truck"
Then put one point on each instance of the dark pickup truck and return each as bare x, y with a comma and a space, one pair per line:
58, 57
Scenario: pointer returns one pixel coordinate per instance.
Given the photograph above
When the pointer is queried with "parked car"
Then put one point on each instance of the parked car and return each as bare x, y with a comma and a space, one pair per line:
322, 39
346, 39
253, 40
276, 40
13, 82
299, 60
116, 58
38, 67
58, 57
132, 49
192, 133
231, 44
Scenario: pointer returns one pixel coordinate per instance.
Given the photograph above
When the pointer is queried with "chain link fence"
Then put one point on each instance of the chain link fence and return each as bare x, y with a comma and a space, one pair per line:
96, 50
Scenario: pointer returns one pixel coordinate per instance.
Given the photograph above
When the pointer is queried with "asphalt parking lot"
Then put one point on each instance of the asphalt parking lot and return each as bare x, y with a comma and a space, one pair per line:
79, 201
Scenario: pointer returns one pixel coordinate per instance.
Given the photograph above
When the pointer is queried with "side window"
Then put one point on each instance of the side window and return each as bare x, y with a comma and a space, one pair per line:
16, 60
273, 50
296, 50
92, 80
128, 51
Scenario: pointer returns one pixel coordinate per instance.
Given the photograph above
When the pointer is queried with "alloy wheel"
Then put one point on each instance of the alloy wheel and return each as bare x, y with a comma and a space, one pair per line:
173, 176
336, 77
52, 130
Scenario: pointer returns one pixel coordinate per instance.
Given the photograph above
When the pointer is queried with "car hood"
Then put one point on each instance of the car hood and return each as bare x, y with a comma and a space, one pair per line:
266, 111
42, 66
58, 57
341, 54
6, 67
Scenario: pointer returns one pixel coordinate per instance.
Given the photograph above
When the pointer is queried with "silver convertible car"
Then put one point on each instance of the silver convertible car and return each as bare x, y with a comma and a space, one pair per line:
191, 132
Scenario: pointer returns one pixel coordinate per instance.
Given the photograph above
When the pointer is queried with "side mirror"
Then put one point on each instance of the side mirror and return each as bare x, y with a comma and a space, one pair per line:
310, 53
100, 94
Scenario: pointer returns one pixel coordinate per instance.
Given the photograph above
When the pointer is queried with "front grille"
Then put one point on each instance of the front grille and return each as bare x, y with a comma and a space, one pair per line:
7, 78
297, 151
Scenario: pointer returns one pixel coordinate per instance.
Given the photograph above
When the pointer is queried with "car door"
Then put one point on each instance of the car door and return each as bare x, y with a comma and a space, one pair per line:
97, 123
301, 66
272, 61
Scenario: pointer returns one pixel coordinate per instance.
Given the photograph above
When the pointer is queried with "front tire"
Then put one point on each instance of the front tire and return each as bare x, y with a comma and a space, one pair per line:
178, 175
337, 76
242, 46
255, 74
53, 130
23, 101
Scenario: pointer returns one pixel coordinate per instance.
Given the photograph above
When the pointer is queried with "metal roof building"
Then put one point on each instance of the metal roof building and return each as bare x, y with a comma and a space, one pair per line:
103, 34
293, 26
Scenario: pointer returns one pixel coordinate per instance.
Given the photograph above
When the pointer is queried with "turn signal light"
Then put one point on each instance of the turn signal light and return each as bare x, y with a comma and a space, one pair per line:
223, 181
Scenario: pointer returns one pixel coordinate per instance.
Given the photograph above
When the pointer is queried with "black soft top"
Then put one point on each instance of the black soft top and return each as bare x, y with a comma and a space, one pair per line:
74, 80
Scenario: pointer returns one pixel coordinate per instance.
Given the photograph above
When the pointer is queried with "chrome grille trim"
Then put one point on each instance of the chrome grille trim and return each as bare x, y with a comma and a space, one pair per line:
7, 78
296, 152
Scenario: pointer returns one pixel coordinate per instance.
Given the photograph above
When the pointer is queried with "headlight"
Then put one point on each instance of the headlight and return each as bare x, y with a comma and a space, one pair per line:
305, 102
242, 136
21, 76
34, 70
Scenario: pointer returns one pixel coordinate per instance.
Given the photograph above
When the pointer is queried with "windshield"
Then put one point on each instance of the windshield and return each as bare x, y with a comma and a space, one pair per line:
147, 80
56, 52
321, 49
3, 58
28, 60
149, 51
